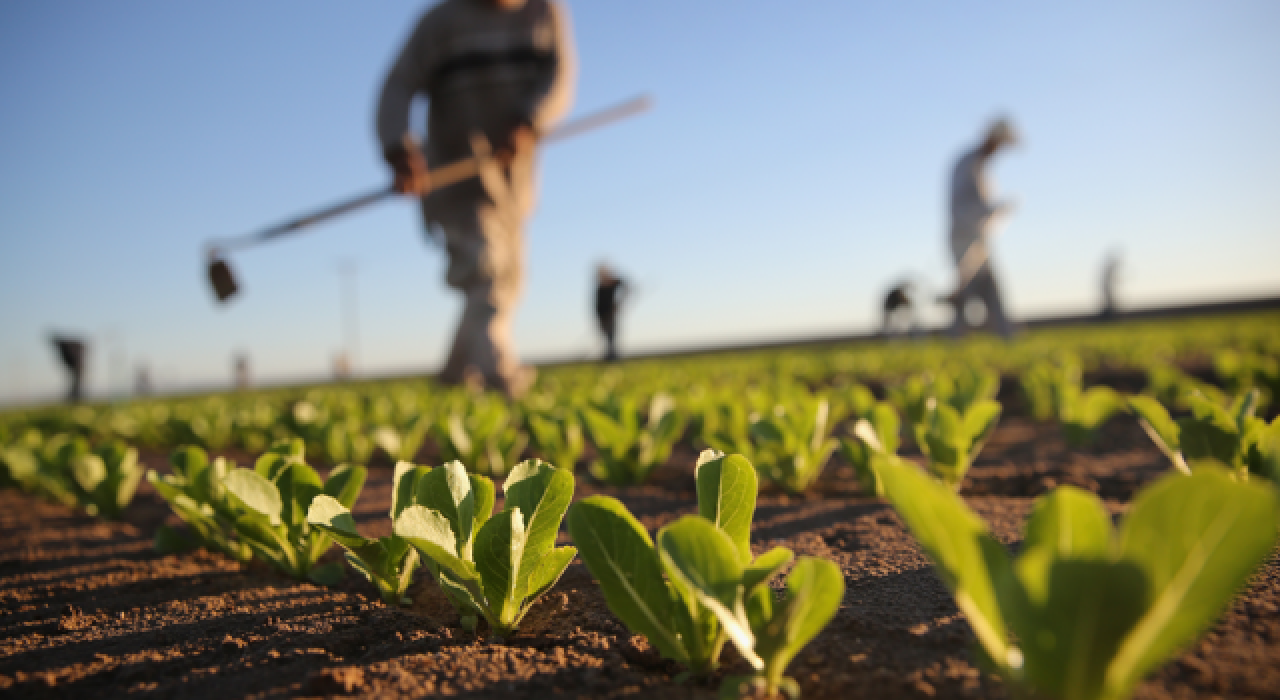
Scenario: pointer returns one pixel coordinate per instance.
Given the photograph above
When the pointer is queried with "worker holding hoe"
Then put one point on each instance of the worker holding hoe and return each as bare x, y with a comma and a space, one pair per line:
973, 219
497, 74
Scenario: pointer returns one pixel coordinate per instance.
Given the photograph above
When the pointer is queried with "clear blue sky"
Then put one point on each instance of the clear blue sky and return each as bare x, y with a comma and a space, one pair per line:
794, 166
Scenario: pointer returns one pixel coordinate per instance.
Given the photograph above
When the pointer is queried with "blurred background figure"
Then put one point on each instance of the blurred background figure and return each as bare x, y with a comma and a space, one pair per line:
72, 352
974, 215
240, 371
899, 312
142, 381
611, 291
341, 366
503, 70
1110, 281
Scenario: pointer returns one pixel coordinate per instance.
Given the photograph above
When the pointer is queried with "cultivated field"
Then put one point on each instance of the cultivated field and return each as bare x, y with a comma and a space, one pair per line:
191, 580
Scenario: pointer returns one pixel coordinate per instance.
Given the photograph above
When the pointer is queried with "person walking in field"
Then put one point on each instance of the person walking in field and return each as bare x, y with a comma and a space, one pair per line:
611, 291
495, 71
973, 217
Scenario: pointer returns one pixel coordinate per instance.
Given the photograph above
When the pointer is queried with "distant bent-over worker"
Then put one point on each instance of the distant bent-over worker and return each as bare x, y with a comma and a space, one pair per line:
72, 353
611, 291
502, 70
899, 312
973, 215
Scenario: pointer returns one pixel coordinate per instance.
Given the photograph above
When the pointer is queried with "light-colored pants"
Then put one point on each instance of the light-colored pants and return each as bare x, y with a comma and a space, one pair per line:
486, 263
983, 286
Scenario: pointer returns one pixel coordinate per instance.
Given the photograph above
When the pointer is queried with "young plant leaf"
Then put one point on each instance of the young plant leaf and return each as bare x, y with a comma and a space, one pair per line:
621, 557
814, 591
447, 490
255, 492
727, 489
701, 561
543, 492
969, 560
431, 532
1196, 539
404, 486
499, 549
345, 483
1161, 428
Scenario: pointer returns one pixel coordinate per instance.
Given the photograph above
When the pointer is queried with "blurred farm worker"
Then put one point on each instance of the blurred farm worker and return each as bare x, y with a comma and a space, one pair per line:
495, 71
899, 313
611, 291
240, 371
973, 218
1110, 280
72, 352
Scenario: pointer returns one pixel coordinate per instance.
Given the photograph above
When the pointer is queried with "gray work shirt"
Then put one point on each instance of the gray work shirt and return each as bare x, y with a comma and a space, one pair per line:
482, 69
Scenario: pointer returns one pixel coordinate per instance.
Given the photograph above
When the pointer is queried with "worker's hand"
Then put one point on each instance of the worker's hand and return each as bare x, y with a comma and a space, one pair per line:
521, 142
409, 168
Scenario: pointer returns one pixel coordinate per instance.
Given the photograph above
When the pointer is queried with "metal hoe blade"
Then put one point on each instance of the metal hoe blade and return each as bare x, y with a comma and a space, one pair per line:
224, 283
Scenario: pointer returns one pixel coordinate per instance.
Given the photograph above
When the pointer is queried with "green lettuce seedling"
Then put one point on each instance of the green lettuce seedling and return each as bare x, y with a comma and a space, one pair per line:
636, 577
1054, 390
1038, 383
1171, 387
852, 400
558, 436
402, 442
18, 467
1083, 412
104, 480
1232, 436
876, 432
971, 385
701, 565
913, 395
951, 440
496, 567
1084, 612
1243, 370
1264, 454
196, 493
388, 562
484, 436
66, 469
345, 440
793, 443
726, 427
628, 450
272, 501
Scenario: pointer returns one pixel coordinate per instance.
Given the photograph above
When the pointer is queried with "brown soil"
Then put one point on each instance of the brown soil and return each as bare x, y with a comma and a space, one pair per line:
90, 609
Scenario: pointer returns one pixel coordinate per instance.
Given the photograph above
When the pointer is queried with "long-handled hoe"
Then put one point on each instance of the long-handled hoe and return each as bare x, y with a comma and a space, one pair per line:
224, 281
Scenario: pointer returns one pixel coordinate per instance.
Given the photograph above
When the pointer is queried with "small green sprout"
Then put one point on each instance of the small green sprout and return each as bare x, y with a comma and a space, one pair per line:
876, 432
794, 442
952, 440
491, 567
272, 501
196, 493
388, 562
661, 591
630, 450
1084, 612
1233, 436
